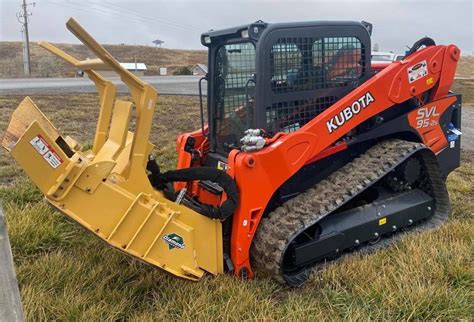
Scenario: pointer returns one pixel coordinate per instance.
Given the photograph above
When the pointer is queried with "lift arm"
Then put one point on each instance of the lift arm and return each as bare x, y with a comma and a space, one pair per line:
432, 69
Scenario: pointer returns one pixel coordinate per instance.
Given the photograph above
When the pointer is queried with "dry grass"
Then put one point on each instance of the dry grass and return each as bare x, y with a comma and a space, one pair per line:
66, 274
465, 67
466, 88
44, 64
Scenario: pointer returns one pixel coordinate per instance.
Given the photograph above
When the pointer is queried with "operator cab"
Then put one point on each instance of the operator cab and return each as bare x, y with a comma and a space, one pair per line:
278, 77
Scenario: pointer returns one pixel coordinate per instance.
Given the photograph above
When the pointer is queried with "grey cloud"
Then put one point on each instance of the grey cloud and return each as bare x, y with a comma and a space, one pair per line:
180, 23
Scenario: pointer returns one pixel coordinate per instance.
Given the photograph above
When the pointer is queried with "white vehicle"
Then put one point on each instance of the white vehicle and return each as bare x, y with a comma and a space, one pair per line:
385, 56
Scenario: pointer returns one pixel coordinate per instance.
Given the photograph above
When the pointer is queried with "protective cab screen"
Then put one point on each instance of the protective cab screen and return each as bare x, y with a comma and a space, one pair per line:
308, 64
235, 66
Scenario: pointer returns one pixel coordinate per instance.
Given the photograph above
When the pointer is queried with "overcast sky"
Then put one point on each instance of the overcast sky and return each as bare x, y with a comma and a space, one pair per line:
180, 22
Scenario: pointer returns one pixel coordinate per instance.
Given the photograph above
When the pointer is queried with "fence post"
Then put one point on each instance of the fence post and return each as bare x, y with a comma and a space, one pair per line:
10, 303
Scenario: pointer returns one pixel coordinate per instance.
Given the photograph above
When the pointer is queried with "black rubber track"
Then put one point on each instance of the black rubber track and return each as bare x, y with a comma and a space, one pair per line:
284, 224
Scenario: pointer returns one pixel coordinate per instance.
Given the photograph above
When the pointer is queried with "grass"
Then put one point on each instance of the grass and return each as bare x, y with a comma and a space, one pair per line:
66, 274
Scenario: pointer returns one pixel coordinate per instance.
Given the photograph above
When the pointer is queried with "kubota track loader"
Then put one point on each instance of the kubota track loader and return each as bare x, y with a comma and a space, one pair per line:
307, 153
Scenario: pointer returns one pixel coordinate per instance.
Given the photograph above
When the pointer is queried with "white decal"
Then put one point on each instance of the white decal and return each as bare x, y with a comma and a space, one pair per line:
222, 165
423, 117
53, 159
417, 71
455, 131
349, 112
40, 144
45, 150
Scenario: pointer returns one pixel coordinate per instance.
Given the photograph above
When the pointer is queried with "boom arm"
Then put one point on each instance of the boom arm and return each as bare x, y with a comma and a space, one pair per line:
387, 88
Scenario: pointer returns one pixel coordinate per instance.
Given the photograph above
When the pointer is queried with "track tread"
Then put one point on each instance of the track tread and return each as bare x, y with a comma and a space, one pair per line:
282, 225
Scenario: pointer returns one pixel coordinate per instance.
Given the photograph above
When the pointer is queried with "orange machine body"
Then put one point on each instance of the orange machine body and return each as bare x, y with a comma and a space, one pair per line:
259, 174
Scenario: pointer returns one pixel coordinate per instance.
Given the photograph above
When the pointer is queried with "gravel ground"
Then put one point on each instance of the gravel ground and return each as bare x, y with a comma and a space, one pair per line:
467, 128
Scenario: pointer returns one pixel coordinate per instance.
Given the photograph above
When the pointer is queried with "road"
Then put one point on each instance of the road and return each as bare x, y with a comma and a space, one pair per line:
171, 85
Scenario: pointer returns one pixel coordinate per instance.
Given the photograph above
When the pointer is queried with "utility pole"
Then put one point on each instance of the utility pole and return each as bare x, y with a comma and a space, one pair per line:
22, 17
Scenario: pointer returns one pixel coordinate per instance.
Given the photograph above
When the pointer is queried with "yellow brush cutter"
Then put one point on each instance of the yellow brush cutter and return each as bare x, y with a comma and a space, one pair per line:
106, 189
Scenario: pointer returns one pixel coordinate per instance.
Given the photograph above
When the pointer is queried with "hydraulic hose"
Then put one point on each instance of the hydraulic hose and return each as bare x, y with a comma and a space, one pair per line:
425, 41
162, 181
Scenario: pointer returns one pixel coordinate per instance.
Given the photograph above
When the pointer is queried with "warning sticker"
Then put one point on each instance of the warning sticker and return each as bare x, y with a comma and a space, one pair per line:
53, 159
40, 144
417, 71
48, 153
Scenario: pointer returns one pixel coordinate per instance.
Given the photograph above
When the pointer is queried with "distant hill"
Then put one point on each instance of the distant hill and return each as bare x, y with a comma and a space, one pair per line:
44, 64
466, 67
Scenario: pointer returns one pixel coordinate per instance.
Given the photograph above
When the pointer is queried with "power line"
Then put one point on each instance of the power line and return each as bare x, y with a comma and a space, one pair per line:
76, 6
89, 10
142, 19
23, 19
153, 18
119, 15
146, 20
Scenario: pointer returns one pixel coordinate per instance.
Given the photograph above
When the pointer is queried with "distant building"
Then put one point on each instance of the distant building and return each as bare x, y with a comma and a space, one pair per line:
385, 56
136, 68
199, 69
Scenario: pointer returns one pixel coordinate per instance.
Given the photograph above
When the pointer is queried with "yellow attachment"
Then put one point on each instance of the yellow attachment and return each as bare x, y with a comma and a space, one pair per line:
106, 190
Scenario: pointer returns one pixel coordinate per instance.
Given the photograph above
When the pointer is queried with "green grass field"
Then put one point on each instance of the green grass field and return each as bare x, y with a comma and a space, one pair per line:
67, 274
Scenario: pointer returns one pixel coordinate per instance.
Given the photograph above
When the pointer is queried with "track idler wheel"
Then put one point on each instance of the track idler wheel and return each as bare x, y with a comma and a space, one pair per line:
405, 175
